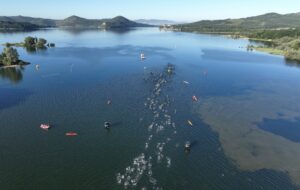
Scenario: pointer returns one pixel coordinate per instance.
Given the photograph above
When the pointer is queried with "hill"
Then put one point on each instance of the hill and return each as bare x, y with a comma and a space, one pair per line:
116, 22
7, 26
72, 22
41, 22
266, 21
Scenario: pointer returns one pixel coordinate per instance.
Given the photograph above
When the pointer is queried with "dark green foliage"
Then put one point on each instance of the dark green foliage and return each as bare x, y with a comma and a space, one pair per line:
7, 44
1, 59
275, 34
41, 43
32, 44
9, 56
16, 26
29, 41
287, 41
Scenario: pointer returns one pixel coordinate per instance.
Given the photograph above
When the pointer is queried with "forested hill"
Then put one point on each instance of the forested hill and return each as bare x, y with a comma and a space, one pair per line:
116, 22
266, 21
16, 26
18, 22
41, 22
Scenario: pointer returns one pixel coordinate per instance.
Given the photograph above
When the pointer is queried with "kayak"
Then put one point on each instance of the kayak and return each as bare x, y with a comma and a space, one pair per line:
71, 134
45, 126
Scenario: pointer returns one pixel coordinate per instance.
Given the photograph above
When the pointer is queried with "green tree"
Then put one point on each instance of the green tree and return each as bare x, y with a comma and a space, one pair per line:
1, 59
10, 56
296, 44
41, 43
30, 41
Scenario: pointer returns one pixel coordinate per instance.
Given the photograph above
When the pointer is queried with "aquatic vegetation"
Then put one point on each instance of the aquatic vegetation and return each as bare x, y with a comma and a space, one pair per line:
235, 119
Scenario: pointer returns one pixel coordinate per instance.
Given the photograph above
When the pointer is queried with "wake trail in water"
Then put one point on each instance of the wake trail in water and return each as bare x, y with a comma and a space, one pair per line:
159, 104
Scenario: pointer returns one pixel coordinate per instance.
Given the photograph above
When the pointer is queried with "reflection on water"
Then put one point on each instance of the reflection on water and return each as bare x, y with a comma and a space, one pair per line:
292, 63
32, 49
119, 31
14, 74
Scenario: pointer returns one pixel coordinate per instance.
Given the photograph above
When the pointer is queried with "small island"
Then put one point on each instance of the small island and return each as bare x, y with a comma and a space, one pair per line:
32, 44
10, 57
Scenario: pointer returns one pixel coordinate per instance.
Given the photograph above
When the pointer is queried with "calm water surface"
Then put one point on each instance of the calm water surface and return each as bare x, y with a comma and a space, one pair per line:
244, 99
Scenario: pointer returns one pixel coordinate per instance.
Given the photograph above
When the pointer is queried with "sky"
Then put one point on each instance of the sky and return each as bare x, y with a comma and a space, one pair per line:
178, 10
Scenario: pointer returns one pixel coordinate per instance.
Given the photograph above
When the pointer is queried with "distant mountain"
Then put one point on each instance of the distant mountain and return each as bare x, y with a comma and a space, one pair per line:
156, 22
76, 22
73, 22
16, 26
36, 21
116, 22
266, 21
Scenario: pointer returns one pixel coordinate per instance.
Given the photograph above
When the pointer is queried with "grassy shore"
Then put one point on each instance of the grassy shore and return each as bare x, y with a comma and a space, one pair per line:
17, 64
21, 44
270, 50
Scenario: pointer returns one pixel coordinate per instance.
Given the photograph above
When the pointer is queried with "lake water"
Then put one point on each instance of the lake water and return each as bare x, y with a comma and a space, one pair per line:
245, 132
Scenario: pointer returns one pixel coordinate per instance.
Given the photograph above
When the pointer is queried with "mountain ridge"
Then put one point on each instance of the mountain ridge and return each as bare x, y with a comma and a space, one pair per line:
266, 21
70, 22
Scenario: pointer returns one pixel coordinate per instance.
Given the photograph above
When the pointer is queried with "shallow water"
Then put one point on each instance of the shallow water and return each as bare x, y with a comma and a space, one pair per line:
238, 92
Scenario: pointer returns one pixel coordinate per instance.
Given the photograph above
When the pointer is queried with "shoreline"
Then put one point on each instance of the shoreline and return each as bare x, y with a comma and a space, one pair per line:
20, 64
269, 50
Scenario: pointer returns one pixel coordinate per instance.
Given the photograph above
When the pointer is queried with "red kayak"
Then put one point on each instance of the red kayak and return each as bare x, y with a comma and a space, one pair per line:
71, 134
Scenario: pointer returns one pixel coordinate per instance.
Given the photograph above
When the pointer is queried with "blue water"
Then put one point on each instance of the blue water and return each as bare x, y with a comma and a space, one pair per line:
285, 128
88, 68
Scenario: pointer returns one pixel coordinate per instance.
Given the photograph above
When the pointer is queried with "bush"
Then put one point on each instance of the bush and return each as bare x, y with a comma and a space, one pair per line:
1, 58
296, 44
293, 55
41, 43
9, 56
30, 41
8, 44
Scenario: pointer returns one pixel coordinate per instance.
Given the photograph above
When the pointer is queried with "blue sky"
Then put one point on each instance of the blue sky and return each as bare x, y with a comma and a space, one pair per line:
180, 10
